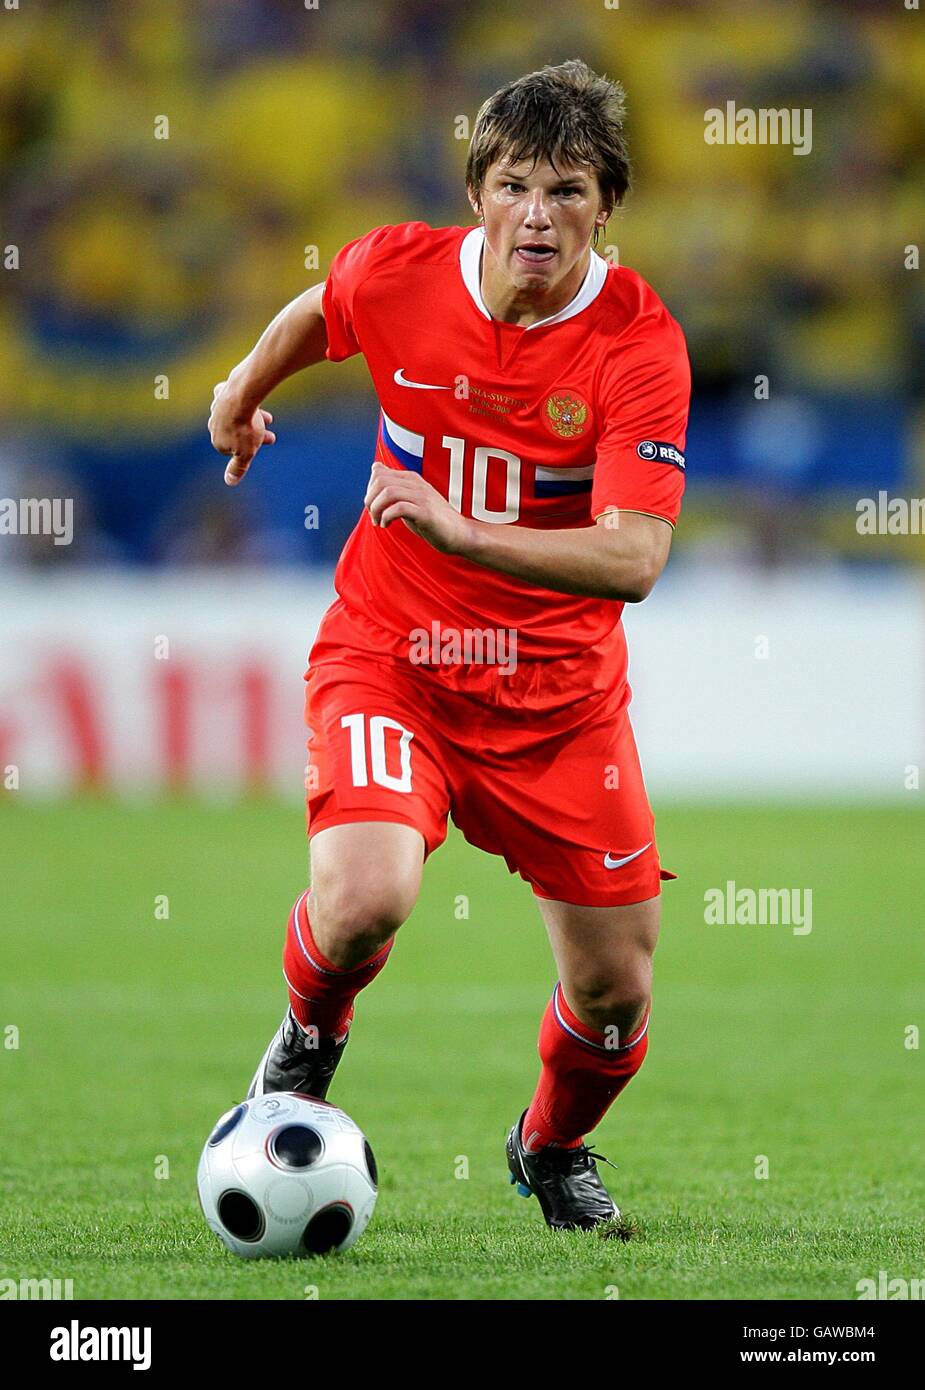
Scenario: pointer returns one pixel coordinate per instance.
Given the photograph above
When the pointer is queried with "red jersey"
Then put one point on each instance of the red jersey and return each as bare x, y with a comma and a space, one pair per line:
547, 426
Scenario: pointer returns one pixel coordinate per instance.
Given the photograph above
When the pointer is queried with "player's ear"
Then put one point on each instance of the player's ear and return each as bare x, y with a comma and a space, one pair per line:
475, 201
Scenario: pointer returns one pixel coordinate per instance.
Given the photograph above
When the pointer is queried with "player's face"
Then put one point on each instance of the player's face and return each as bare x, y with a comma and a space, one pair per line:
539, 221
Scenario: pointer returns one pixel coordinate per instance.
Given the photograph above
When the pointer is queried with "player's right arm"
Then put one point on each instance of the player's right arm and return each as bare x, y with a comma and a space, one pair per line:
297, 338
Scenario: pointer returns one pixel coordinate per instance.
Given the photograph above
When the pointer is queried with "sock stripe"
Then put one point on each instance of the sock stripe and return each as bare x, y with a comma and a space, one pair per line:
316, 965
327, 969
563, 1023
308, 999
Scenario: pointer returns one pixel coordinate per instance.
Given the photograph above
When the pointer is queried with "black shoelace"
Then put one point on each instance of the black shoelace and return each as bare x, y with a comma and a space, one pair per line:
601, 1158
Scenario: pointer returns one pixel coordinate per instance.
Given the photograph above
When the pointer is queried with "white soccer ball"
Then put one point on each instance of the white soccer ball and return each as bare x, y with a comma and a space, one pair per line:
284, 1174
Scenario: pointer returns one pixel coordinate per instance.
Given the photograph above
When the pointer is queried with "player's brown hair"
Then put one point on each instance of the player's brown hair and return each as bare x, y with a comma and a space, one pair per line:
566, 114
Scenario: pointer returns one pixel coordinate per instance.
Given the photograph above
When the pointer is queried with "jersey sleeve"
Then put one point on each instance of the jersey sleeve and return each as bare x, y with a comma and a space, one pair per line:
349, 268
639, 465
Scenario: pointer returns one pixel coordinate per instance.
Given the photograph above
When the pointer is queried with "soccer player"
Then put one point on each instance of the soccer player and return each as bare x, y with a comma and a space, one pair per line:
527, 479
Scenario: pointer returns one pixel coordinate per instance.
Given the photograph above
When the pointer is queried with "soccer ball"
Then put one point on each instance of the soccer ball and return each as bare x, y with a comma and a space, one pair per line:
284, 1174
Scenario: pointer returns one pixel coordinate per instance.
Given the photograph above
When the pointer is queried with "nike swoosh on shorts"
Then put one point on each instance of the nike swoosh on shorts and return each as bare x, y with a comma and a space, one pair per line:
610, 863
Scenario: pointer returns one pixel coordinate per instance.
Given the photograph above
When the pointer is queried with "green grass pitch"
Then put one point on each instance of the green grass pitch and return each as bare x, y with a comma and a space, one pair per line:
136, 1032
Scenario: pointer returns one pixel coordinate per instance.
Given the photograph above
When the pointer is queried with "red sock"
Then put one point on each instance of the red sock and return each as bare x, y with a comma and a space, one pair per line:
321, 995
581, 1076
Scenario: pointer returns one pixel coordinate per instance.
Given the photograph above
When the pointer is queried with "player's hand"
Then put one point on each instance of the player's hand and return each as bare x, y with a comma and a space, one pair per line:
396, 494
236, 432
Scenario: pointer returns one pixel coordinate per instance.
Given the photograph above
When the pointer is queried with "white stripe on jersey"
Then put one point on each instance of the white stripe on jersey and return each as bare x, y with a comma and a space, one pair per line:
405, 439
565, 475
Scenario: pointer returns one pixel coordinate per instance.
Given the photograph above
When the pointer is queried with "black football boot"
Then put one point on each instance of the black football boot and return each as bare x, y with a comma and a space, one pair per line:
565, 1182
290, 1063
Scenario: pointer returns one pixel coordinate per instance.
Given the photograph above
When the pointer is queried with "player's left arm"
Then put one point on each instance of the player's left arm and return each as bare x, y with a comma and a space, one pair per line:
620, 557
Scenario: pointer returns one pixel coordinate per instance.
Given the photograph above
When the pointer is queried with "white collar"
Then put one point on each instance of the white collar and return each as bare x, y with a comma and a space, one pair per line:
470, 264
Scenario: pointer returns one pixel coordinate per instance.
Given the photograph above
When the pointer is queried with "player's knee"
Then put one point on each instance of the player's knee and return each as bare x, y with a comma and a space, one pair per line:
351, 920
613, 1002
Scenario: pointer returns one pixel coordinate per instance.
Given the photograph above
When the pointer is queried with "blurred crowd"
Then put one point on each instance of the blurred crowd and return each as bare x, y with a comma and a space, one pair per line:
173, 171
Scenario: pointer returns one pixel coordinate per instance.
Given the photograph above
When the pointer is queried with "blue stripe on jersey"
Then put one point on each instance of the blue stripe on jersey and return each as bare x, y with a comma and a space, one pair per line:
406, 446
561, 489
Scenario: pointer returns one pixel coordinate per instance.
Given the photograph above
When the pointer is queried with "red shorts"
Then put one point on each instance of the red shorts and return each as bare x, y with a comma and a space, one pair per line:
534, 769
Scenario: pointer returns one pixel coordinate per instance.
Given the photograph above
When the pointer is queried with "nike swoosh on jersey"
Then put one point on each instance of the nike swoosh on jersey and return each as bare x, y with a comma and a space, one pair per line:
418, 385
611, 863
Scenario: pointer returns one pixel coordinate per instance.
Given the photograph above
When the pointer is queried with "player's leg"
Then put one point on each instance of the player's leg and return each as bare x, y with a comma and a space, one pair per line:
594, 1033
593, 1039
377, 803
569, 812
365, 882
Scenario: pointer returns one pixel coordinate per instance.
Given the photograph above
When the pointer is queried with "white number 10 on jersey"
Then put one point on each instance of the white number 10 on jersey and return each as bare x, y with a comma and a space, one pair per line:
480, 509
